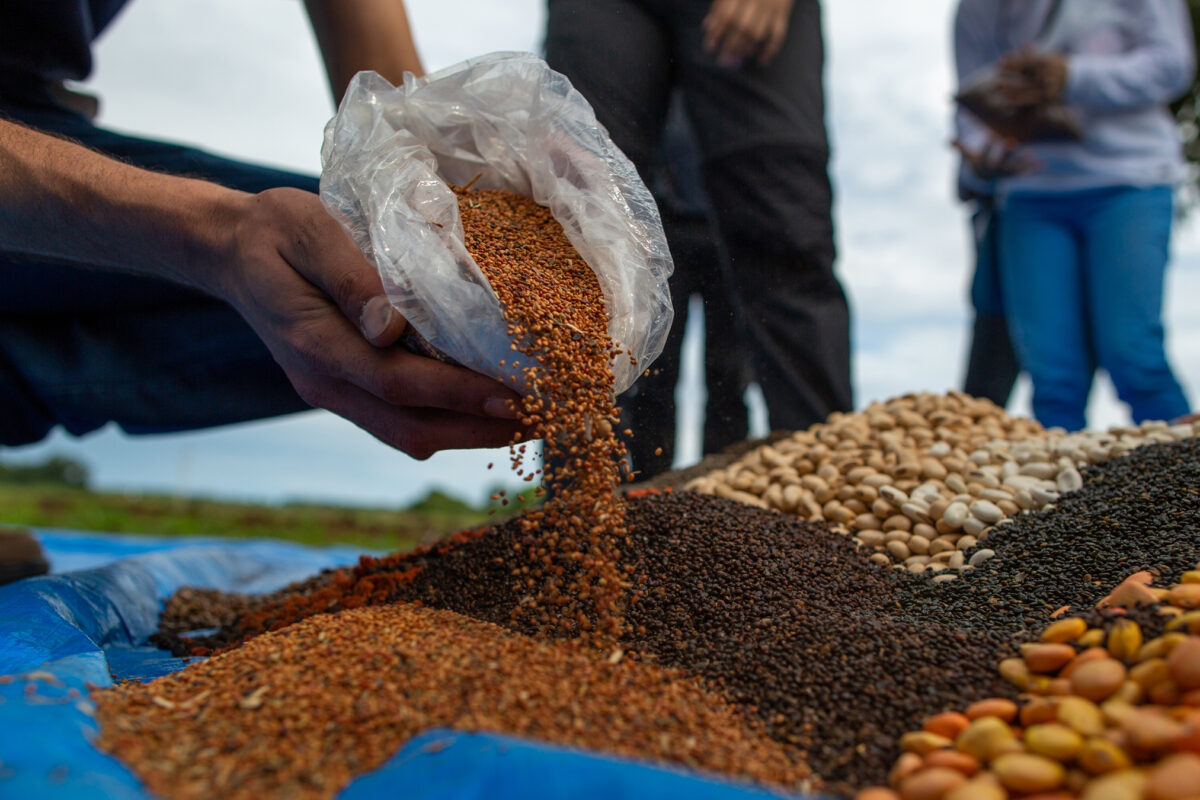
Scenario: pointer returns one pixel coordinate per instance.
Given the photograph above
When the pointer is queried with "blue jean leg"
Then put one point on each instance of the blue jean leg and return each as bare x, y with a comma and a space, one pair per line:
83, 347
1040, 256
1127, 238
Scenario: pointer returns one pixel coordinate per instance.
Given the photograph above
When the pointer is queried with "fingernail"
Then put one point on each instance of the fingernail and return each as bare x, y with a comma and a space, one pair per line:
500, 407
376, 316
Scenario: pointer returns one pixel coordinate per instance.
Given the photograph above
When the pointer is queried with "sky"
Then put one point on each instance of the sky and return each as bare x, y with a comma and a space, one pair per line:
244, 79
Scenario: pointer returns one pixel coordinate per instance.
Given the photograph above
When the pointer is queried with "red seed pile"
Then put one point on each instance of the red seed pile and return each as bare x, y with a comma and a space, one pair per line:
572, 582
299, 713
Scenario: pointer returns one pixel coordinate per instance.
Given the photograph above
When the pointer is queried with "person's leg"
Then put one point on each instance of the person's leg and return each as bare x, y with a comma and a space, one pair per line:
1126, 251
83, 347
181, 367
614, 52
1044, 299
648, 408
727, 372
762, 132
992, 367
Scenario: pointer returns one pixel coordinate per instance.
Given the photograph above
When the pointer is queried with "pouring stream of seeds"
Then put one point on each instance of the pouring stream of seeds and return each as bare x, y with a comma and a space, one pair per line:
573, 583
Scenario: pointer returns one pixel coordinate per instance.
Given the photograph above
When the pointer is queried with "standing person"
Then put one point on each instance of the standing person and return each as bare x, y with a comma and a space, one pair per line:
1084, 234
750, 72
701, 271
133, 294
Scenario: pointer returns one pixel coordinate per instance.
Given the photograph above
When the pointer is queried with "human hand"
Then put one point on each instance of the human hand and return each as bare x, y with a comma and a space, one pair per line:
736, 30
997, 159
318, 305
1029, 78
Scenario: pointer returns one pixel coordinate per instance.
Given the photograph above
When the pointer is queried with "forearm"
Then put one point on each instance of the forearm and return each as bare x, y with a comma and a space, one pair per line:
363, 34
1125, 82
62, 201
278, 258
1155, 72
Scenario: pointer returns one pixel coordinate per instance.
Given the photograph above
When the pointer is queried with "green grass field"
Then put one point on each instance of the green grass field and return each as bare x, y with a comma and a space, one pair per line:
56, 506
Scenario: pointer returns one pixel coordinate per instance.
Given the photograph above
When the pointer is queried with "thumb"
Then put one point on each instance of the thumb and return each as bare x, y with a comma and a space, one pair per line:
325, 255
381, 324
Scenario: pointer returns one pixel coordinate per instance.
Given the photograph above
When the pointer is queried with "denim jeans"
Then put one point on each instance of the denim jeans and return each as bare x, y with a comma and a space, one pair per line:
1083, 275
82, 347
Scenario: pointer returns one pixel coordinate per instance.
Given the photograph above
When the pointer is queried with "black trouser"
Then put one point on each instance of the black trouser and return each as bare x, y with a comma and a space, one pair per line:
762, 137
992, 367
649, 407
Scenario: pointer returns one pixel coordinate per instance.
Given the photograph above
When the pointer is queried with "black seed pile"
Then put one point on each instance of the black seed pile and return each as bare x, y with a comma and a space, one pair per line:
1139, 511
790, 619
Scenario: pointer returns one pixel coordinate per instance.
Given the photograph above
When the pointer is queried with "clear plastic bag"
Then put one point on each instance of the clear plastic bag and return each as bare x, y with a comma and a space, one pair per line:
390, 152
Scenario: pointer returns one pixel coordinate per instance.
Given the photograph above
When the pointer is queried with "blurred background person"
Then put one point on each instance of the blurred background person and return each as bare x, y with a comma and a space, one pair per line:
1071, 98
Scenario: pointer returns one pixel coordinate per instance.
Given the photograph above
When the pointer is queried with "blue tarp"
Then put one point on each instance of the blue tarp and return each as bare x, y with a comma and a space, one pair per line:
90, 623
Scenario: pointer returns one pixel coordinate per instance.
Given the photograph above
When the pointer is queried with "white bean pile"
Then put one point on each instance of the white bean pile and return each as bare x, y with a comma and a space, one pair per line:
921, 480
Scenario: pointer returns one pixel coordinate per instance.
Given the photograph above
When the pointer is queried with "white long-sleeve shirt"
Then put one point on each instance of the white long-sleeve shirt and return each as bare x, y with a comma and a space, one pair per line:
1126, 59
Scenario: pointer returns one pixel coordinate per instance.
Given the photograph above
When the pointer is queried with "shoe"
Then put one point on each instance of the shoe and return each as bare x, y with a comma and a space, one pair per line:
20, 556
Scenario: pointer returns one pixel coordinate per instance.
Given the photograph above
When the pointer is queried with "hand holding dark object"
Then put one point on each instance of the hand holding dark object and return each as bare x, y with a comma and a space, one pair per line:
997, 159
1029, 78
304, 287
1021, 98
738, 30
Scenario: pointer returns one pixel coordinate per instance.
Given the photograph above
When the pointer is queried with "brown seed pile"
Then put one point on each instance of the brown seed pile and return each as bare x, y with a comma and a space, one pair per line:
191, 609
1111, 710
571, 580
300, 712
903, 477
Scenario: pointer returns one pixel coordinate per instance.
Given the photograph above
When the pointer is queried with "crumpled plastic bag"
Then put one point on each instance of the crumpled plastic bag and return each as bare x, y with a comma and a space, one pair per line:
390, 152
